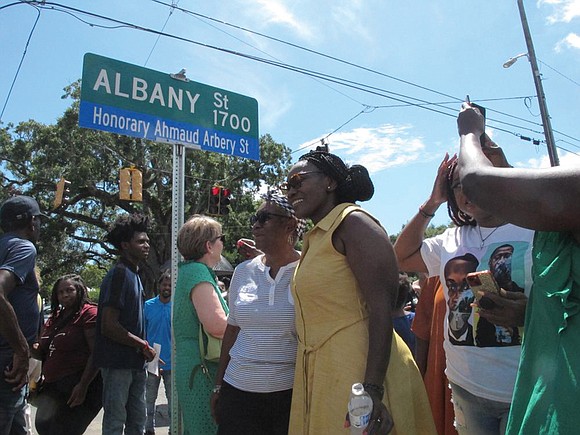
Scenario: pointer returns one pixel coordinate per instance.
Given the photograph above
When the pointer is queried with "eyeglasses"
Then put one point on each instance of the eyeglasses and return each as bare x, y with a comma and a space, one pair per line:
222, 238
264, 216
296, 180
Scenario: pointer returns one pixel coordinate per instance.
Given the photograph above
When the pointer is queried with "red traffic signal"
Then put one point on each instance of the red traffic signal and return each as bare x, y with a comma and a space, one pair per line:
214, 200
219, 200
224, 201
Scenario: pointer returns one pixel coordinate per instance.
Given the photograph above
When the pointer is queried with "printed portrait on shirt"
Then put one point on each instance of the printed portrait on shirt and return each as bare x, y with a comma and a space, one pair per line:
498, 259
465, 326
459, 318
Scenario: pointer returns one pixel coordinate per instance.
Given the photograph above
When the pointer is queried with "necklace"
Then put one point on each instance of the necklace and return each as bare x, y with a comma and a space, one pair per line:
483, 239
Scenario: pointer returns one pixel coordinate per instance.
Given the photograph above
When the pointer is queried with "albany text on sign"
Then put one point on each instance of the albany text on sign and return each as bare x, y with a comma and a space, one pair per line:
127, 99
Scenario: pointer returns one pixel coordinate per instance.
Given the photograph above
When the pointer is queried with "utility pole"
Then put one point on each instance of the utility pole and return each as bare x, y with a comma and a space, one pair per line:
552, 153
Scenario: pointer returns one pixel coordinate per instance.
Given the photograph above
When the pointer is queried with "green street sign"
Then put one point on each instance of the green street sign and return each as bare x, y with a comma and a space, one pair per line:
128, 99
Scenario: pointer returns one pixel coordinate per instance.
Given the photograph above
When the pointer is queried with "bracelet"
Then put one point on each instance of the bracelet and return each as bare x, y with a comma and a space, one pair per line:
425, 214
379, 389
216, 389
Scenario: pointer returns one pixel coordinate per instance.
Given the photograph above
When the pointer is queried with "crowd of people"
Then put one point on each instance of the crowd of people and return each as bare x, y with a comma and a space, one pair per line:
300, 327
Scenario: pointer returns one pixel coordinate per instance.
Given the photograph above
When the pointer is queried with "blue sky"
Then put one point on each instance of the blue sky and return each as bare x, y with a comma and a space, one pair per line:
421, 52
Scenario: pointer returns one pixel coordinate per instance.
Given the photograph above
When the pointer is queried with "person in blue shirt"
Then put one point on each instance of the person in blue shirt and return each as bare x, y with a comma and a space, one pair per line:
402, 319
157, 315
19, 313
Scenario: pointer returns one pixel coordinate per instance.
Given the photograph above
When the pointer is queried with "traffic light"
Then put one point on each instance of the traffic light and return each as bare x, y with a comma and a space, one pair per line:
214, 200
62, 192
224, 201
125, 184
136, 185
219, 200
130, 184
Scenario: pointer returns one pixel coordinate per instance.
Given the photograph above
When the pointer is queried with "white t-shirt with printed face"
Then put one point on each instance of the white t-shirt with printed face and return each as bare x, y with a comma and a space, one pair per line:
481, 357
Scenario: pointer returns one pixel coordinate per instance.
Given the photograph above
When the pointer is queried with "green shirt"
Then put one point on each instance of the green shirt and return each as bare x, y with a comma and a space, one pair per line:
547, 392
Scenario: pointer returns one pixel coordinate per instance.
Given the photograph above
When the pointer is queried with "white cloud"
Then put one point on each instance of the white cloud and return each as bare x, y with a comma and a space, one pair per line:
566, 159
375, 148
276, 12
564, 10
570, 41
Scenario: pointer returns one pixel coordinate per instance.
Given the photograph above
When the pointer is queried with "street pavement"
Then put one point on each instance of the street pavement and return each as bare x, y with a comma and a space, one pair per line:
162, 417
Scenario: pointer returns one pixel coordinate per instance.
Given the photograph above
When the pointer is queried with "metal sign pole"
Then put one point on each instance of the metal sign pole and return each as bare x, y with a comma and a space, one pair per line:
176, 223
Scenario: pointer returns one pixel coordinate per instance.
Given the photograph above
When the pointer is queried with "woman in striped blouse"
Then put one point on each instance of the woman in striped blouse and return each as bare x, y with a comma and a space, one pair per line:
254, 381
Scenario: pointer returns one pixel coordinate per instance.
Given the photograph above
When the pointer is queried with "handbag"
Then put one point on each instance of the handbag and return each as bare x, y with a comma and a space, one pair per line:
209, 347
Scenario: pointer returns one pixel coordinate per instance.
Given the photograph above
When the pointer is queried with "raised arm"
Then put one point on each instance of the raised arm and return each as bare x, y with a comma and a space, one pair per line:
540, 199
408, 244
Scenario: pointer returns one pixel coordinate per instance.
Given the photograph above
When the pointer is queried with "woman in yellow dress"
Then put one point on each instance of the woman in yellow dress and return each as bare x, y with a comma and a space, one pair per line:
343, 291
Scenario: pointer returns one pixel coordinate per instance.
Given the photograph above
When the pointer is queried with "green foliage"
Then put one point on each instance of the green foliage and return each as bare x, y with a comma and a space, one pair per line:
33, 156
94, 294
93, 275
431, 231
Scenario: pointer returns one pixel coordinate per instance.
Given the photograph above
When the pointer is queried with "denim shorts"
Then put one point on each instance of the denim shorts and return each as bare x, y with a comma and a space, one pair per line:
478, 416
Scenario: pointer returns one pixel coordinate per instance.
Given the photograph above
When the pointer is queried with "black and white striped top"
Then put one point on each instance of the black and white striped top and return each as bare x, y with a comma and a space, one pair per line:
264, 354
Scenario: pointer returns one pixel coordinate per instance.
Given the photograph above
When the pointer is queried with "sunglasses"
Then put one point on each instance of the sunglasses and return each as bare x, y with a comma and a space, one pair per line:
222, 238
264, 216
296, 180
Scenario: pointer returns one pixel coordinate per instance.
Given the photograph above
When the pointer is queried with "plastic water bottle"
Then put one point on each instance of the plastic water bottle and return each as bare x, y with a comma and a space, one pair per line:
360, 408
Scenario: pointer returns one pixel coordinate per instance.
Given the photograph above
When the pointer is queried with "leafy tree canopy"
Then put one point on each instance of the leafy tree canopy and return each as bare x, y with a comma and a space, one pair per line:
34, 156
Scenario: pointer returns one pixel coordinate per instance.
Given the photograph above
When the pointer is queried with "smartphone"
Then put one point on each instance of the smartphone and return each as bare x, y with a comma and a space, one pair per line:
476, 106
482, 281
481, 110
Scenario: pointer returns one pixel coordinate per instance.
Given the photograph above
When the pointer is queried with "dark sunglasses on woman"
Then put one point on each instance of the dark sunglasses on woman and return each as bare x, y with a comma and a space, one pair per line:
295, 181
222, 238
264, 216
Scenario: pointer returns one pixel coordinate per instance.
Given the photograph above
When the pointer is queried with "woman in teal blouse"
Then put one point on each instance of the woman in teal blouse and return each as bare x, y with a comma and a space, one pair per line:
196, 300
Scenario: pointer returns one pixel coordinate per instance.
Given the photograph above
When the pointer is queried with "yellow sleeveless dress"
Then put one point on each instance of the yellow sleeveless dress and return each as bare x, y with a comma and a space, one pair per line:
332, 328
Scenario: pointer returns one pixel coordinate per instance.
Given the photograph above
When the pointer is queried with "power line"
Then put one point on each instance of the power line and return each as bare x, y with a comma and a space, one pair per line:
173, 6
331, 133
280, 64
558, 72
354, 85
455, 99
20, 63
312, 51
344, 82
198, 17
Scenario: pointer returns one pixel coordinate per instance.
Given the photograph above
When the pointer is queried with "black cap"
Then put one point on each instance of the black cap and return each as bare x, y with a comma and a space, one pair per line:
19, 208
